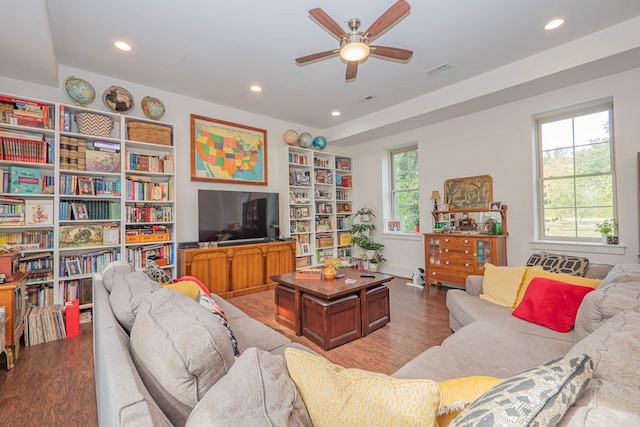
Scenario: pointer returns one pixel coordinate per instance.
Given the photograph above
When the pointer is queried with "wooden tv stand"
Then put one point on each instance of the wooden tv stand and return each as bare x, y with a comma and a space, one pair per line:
232, 271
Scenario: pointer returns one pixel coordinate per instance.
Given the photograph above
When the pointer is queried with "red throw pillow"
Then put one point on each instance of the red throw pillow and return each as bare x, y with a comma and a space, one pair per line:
194, 279
551, 303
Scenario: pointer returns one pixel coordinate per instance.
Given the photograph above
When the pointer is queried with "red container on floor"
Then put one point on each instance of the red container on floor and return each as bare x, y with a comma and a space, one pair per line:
72, 318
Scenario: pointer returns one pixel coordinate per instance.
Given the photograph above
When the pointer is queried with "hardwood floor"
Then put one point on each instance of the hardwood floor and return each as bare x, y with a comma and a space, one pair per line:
52, 384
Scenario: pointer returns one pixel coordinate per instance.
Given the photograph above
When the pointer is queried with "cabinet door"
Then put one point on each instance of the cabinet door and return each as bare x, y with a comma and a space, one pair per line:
212, 269
280, 259
246, 267
433, 250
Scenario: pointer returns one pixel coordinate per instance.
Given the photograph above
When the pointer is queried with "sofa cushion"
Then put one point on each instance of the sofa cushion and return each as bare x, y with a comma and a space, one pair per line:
559, 263
156, 273
619, 291
113, 272
551, 303
127, 293
256, 392
251, 333
335, 396
458, 393
180, 350
566, 278
500, 285
536, 397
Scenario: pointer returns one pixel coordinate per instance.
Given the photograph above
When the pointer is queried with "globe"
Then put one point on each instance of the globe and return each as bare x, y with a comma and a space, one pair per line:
290, 137
305, 140
319, 142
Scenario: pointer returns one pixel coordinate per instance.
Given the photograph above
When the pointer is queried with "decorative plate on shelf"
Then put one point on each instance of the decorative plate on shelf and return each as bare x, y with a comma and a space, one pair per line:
79, 91
118, 99
152, 107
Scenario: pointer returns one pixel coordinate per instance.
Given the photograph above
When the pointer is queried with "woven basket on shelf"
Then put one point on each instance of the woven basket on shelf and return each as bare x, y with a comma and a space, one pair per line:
147, 132
94, 124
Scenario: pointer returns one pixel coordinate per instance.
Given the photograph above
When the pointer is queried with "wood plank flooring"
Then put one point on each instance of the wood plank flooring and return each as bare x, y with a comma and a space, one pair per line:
52, 384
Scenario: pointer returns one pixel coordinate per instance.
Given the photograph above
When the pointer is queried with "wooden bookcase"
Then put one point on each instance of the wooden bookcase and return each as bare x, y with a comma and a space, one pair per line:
12, 297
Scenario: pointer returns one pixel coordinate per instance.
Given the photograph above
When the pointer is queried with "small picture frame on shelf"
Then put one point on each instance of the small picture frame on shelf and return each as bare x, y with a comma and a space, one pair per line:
305, 249
73, 268
393, 226
443, 208
495, 206
85, 186
79, 211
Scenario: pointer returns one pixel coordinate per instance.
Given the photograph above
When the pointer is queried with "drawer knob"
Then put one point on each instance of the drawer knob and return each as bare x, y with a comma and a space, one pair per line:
433, 273
466, 241
446, 250
446, 240
466, 252
467, 265
447, 262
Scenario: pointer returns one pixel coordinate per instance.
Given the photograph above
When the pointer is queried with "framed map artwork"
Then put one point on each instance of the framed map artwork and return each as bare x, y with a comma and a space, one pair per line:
227, 152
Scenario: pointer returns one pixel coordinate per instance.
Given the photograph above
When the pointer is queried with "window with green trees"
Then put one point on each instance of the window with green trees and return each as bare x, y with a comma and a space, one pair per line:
575, 173
404, 186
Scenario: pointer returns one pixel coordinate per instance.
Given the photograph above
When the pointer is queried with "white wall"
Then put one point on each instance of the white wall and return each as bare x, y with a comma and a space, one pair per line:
499, 142
178, 110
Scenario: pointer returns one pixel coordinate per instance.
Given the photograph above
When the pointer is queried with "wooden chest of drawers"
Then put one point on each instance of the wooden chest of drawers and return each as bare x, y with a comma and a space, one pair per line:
450, 258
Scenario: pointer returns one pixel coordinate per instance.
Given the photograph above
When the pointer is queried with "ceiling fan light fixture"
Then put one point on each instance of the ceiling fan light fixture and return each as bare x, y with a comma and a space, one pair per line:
354, 51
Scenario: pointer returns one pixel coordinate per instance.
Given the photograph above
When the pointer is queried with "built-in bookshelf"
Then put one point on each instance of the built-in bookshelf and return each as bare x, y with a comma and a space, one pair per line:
320, 205
76, 196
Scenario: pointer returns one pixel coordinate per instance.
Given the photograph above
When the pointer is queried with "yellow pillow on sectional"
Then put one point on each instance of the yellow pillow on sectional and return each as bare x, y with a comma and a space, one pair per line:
336, 396
459, 393
566, 278
185, 287
500, 284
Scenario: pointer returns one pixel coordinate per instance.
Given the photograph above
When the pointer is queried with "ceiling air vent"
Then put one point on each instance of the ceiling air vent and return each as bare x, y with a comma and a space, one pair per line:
438, 69
366, 98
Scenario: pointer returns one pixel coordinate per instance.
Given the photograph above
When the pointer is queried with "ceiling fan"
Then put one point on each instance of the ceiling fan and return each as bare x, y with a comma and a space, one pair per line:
354, 45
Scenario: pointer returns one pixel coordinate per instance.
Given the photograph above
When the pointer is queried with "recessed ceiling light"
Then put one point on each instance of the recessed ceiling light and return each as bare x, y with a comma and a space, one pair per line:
554, 23
335, 113
123, 46
256, 88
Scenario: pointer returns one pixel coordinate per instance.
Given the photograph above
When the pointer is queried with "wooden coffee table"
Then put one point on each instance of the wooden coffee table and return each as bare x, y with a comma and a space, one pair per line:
331, 312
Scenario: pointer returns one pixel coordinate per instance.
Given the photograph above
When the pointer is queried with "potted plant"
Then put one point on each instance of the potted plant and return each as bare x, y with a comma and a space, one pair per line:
361, 232
608, 228
376, 261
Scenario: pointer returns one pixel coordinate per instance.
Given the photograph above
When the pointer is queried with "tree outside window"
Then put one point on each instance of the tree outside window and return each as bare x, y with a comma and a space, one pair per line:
576, 180
404, 187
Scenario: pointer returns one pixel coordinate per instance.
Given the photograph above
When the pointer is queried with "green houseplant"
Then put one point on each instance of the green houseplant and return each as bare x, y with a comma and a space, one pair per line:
361, 231
609, 227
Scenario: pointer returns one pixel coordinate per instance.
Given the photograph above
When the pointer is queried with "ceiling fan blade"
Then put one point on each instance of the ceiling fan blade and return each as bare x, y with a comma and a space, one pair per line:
327, 22
316, 56
387, 20
352, 70
394, 53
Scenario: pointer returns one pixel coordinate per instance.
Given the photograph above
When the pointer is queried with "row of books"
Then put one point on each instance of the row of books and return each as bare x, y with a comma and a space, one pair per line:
342, 195
28, 240
90, 263
298, 159
321, 163
21, 112
148, 163
323, 176
44, 324
145, 214
343, 207
39, 296
21, 180
25, 147
74, 185
80, 289
91, 209
344, 181
137, 256
143, 188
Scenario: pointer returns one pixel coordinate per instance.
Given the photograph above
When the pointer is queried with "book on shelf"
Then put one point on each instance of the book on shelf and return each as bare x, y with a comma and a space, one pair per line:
24, 180
23, 147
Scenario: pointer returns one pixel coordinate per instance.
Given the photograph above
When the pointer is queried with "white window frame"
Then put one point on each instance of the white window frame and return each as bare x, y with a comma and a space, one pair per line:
570, 112
392, 184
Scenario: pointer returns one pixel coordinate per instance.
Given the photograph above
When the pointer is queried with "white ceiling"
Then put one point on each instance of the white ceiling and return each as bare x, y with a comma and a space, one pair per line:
214, 50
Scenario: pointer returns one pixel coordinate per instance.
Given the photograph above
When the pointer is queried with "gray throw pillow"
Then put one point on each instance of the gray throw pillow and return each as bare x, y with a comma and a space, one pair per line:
538, 396
180, 351
113, 272
128, 292
256, 392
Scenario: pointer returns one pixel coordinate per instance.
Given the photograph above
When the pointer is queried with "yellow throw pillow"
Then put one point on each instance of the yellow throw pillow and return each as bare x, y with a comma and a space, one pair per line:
566, 278
500, 284
459, 393
336, 396
185, 287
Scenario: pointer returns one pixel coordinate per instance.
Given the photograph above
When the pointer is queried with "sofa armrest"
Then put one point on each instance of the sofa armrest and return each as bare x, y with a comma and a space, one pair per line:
473, 285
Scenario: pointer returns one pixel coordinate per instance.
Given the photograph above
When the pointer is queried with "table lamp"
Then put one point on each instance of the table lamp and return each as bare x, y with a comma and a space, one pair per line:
435, 196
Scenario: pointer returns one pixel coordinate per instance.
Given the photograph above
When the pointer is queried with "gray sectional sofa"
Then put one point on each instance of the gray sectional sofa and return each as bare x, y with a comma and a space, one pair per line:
488, 340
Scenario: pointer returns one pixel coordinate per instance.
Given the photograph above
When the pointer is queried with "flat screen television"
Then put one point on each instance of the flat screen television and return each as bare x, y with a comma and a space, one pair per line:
237, 215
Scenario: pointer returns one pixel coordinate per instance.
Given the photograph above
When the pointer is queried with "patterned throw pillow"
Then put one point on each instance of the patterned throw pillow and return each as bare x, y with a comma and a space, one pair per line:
536, 397
156, 273
557, 263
